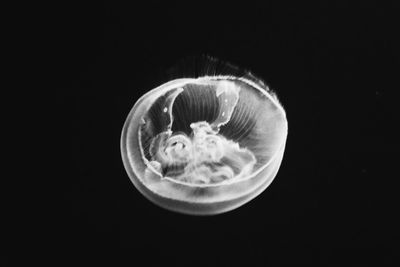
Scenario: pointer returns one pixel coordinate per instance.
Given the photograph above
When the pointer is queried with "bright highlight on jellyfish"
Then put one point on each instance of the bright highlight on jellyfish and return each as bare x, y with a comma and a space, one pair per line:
204, 145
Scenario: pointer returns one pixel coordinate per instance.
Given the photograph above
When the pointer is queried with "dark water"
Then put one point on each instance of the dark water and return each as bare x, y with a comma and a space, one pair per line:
331, 65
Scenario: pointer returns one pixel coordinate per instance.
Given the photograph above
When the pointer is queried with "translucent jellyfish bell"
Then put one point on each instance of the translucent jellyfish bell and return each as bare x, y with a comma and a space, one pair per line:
204, 145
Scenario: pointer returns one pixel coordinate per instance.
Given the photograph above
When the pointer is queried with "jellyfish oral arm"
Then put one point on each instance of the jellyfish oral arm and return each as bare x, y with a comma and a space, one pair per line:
178, 149
228, 96
205, 157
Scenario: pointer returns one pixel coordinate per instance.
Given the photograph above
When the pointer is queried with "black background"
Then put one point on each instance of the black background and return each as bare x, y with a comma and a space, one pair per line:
332, 201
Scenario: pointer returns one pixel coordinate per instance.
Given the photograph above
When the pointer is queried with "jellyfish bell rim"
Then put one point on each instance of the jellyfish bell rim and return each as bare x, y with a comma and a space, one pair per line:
181, 81
178, 82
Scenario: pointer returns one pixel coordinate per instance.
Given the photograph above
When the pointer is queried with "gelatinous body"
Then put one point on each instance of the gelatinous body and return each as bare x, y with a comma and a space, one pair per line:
204, 145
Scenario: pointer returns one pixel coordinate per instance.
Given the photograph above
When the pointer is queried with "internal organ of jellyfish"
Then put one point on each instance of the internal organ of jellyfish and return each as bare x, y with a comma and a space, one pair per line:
205, 145
205, 157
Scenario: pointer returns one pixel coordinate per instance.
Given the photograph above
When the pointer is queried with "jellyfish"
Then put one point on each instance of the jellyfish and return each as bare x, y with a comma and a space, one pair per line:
204, 145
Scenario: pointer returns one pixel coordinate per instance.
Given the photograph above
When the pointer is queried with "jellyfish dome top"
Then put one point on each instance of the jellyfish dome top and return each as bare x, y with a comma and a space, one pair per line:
204, 145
